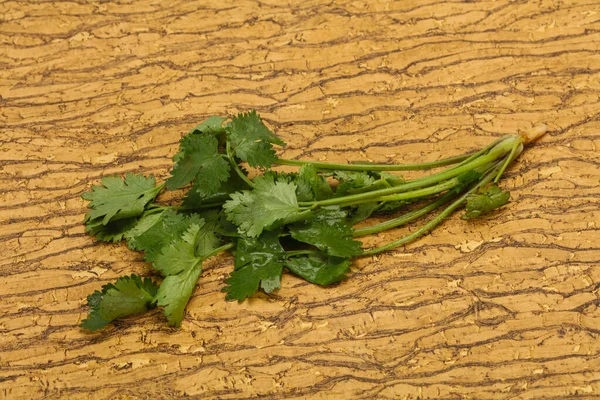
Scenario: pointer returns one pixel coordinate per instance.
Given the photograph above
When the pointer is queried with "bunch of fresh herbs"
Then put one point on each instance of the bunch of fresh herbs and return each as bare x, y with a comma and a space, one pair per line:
301, 222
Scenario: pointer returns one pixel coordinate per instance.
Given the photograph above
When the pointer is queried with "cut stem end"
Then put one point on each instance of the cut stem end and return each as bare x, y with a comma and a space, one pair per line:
534, 133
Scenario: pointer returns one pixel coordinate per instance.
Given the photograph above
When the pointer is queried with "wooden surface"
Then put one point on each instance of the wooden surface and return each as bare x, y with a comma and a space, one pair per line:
502, 308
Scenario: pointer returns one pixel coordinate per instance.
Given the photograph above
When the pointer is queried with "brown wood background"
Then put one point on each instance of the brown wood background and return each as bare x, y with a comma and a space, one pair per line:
503, 308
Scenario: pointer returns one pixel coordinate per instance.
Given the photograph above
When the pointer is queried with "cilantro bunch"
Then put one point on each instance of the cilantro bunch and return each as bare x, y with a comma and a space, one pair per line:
302, 222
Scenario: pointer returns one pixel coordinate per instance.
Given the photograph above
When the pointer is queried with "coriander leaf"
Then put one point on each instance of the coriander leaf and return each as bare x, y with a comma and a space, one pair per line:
330, 232
179, 255
279, 176
111, 232
363, 211
196, 197
226, 228
350, 180
207, 217
128, 295
206, 240
258, 263
181, 268
244, 282
251, 140
175, 292
261, 250
320, 270
483, 203
118, 199
199, 159
154, 231
212, 125
311, 185
263, 207
304, 190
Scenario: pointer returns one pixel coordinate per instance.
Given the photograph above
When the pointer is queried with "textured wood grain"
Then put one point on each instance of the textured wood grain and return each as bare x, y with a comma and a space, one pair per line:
502, 308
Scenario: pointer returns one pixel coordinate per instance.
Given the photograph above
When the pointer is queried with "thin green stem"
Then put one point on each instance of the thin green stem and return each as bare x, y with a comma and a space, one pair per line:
379, 184
413, 194
375, 167
513, 153
427, 191
405, 218
236, 167
304, 214
435, 221
498, 151
503, 147
154, 210
483, 151
461, 159
220, 250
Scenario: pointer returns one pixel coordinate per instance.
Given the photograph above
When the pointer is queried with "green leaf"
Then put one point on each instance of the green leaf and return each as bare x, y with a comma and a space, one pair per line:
175, 292
259, 263
363, 211
330, 232
320, 270
128, 295
181, 268
251, 140
117, 199
304, 190
268, 204
195, 197
226, 228
179, 255
351, 180
206, 243
259, 251
212, 125
244, 282
181, 264
483, 203
206, 240
111, 232
311, 185
279, 176
154, 231
199, 160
